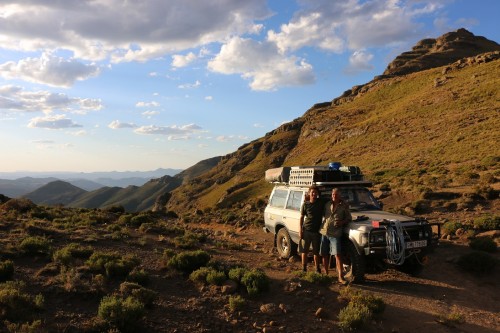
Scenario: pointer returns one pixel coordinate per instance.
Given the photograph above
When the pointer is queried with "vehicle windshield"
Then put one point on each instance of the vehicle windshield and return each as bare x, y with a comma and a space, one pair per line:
359, 199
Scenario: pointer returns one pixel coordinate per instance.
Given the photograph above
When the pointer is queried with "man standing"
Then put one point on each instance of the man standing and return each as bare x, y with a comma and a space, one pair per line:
337, 215
311, 215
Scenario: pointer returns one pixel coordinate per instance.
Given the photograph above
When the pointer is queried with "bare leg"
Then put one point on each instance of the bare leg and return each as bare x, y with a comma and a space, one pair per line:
304, 261
338, 259
326, 263
317, 263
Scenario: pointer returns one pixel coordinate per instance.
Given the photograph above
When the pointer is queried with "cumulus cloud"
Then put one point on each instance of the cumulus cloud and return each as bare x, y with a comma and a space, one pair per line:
262, 64
126, 30
49, 70
116, 124
209, 98
147, 104
15, 98
359, 61
179, 60
173, 132
227, 138
150, 113
354, 24
190, 85
52, 122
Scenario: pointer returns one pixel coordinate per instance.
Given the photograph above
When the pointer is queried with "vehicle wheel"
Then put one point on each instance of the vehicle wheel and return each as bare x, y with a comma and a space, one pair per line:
284, 244
354, 264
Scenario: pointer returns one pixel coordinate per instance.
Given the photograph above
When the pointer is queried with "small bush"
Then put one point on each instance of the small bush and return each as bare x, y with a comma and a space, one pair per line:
451, 227
216, 278
21, 205
256, 282
477, 262
34, 245
122, 313
6, 270
237, 273
112, 264
138, 276
189, 240
451, 319
189, 261
200, 275
144, 295
487, 222
69, 254
34, 327
375, 304
485, 244
354, 316
15, 303
236, 303
317, 278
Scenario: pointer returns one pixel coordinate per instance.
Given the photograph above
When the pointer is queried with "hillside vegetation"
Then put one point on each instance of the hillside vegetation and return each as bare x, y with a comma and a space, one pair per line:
430, 131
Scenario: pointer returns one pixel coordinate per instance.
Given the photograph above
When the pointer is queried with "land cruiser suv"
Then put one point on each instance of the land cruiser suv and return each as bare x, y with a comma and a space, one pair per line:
374, 240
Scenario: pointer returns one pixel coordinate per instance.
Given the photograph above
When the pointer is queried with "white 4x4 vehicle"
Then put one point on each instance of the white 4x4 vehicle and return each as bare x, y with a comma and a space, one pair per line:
375, 239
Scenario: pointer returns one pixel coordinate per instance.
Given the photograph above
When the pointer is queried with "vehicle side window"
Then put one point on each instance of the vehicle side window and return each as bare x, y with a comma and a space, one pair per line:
294, 200
278, 199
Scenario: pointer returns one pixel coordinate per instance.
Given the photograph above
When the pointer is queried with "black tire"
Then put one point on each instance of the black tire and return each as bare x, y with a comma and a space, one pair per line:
286, 248
354, 264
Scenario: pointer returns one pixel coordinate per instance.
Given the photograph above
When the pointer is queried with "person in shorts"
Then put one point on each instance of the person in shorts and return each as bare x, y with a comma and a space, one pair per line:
336, 216
311, 215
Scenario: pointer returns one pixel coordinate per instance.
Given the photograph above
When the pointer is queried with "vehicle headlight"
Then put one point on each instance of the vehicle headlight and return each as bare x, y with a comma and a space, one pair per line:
377, 238
364, 239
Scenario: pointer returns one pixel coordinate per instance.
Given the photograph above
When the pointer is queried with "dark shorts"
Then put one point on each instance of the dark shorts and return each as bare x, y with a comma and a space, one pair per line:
329, 246
310, 238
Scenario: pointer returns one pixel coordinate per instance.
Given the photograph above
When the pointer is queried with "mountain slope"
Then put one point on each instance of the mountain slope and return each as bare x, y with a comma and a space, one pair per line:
433, 129
55, 193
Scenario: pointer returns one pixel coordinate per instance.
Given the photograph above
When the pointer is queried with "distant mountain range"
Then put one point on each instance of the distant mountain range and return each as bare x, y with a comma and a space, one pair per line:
16, 184
151, 193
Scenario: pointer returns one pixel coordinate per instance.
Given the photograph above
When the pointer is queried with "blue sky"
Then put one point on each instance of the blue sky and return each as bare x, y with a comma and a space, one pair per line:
116, 85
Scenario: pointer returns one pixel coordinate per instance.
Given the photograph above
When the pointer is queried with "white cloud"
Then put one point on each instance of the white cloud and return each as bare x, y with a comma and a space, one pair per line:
359, 61
15, 98
116, 124
209, 98
354, 24
173, 132
52, 122
262, 63
126, 30
150, 113
49, 70
227, 138
190, 85
78, 133
183, 60
147, 104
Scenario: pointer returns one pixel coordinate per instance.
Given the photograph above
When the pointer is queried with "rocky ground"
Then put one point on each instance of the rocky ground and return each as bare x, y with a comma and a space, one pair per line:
413, 304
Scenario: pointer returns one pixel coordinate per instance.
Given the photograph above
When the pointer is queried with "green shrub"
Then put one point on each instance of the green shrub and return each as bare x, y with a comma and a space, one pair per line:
34, 245
487, 222
125, 219
354, 316
144, 295
256, 281
237, 273
137, 220
236, 303
451, 227
451, 319
20, 205
69, 254
216, 277
6, 270
112, 264
15, 303
317, 278
200, 275
375, 304
189, 240
189, 261
477, 262
34, 327
139, 276
125, 314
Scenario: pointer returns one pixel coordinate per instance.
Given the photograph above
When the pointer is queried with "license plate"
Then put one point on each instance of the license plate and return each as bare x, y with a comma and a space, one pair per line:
414, 244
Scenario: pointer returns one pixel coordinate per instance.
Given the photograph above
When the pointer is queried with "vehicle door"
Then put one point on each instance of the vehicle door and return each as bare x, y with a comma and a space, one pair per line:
291, 213
273, 214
